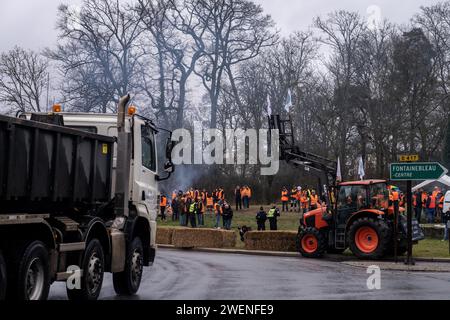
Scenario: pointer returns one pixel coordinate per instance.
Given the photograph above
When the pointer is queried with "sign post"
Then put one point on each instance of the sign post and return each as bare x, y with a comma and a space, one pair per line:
414, 171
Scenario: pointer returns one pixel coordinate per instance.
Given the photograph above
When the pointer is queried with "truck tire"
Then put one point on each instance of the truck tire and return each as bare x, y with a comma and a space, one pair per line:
93, 266
311, 243
3, 277
369, 238
129, 281
29, 273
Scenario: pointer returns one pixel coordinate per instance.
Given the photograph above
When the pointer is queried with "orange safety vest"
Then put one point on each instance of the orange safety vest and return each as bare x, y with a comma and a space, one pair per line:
414, 200
218, 208
209, 201
304, 200
433, 202
441, 202
163, 202
284, 196
424, 198
249, 192
395, 196
314, 199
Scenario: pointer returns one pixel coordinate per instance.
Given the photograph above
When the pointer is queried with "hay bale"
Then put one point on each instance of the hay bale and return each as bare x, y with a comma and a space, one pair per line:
433, 232
203, 238
284, 241
229, 239
164, 235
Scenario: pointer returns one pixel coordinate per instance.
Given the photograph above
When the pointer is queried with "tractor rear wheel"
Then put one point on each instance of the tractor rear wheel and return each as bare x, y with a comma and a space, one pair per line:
369, 238
311, 243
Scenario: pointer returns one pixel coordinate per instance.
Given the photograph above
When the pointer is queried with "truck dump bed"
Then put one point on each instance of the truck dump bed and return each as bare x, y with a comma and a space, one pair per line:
52, 169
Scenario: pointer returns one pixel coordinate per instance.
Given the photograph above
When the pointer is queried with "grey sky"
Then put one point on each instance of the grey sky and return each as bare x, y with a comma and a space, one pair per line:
31, 23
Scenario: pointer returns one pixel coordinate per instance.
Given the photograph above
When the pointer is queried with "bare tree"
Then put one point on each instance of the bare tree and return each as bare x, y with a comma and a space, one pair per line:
23, 80
177, 35
237, 31
99, 48
341, 32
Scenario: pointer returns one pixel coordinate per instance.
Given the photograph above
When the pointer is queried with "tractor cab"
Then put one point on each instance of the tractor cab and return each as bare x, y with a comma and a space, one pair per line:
353, 197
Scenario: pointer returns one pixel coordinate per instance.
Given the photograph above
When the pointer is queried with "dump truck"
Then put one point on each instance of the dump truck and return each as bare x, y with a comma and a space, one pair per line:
78, 198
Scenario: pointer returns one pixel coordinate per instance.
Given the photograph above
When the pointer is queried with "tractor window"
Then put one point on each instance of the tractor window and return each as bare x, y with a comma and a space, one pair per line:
361, 197
148, 149
354, 197
379, 196
345, 198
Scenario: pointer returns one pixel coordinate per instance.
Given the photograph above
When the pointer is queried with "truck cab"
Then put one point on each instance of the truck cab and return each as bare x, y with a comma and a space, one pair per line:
143, 191
78, 198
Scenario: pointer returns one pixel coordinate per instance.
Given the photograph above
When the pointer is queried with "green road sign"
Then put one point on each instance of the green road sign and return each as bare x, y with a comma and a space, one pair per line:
417, 171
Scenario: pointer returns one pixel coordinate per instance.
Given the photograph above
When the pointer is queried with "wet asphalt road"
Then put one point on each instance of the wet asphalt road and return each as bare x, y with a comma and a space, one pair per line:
189, 275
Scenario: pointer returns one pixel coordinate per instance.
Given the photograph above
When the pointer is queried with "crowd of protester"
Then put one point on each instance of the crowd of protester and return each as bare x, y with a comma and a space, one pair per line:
190, 208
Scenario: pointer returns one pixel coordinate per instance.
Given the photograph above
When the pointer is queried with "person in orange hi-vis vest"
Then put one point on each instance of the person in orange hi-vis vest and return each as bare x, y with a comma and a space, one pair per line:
163, 206
440, 205
304, 200
209, 202
314, 200
431, 208
285, 199
249, 193
218, 212
245, 193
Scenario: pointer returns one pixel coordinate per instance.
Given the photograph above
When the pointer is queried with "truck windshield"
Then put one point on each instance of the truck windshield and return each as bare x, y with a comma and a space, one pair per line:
148, 148
379, 196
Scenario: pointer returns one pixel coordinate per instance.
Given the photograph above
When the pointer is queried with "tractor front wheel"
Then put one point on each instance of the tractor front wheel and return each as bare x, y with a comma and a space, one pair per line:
311, 243
369, 238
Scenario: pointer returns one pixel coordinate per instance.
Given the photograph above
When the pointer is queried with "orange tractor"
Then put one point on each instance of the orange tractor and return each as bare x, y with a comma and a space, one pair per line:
357, 215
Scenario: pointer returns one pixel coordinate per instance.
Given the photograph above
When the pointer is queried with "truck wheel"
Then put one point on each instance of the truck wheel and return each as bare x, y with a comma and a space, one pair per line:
369, 238
129, 281
29, 273
3, 277
93, 266
311, 243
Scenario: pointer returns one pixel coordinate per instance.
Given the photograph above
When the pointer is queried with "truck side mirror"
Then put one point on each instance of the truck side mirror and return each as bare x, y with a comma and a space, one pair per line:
169, 148
169, 167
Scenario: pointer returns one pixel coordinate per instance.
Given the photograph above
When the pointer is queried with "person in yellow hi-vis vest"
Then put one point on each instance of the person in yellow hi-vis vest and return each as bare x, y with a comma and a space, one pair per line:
273, 215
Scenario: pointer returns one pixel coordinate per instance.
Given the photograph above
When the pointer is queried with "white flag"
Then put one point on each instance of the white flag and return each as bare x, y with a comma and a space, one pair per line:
269, 106
289, 103
339, 173
361, 172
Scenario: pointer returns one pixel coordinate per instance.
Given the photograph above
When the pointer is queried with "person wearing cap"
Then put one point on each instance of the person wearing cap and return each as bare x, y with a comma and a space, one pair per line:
227, 216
